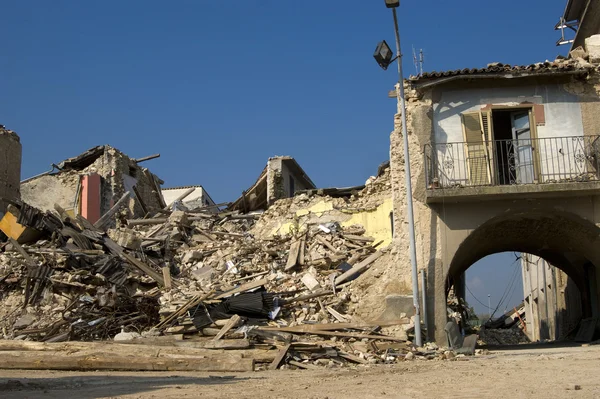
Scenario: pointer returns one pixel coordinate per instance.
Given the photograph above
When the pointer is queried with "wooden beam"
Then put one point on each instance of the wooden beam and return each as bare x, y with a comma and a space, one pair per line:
280, 356
231, 323
112, 211
181, 197
359, 268
243, 288
54, 361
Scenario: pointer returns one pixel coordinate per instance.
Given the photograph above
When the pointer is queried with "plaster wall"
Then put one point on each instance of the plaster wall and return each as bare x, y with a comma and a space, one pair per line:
562, 117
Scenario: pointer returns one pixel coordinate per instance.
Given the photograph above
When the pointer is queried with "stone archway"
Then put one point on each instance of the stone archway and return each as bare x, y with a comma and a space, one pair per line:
568, 241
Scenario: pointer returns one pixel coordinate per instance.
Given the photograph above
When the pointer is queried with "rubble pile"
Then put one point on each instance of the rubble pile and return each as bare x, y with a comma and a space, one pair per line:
205, 278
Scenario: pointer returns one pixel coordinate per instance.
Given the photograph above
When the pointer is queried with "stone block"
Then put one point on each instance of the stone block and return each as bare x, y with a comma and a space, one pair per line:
592, 47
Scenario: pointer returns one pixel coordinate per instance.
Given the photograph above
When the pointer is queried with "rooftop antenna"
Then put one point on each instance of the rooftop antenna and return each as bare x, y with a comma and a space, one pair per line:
418, 61
415, 61
562, 25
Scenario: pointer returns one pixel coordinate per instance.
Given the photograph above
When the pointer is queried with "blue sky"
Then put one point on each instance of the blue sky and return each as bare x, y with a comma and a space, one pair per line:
217, 87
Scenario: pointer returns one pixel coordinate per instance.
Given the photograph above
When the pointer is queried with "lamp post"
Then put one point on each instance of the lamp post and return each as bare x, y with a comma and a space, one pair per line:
383, 56
489, 306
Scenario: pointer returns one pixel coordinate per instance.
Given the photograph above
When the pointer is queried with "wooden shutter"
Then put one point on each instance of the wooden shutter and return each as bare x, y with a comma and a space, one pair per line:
476, 149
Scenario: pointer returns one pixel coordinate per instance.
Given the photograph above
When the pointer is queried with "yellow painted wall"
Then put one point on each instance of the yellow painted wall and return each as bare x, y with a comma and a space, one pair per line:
376, 222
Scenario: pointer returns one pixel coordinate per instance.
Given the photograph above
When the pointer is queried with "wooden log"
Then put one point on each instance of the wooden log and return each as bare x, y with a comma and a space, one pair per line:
152, 346
112, 211
359, 268
50, 361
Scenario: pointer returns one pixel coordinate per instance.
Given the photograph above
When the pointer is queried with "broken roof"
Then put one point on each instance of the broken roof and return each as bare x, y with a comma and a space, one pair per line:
498, 70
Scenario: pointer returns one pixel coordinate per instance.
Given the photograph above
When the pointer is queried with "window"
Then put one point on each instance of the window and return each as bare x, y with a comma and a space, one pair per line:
292, 186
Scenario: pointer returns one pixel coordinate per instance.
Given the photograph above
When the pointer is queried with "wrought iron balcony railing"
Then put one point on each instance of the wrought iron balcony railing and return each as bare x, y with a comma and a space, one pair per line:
508, 162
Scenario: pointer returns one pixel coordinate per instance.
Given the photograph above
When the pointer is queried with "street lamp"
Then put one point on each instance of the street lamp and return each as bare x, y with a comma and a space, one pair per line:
383, 56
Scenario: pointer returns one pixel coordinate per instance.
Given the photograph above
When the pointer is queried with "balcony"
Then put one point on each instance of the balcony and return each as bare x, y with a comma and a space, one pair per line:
512, 167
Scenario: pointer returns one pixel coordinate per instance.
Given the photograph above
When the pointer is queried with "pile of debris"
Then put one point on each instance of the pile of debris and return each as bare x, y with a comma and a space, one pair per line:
199, 279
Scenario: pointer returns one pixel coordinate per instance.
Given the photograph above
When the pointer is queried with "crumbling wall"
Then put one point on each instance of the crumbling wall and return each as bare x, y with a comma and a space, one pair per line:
371, 209
10, 167
118, 175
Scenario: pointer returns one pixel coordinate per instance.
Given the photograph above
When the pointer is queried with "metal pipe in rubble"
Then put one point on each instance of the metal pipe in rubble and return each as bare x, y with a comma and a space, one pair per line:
409, 199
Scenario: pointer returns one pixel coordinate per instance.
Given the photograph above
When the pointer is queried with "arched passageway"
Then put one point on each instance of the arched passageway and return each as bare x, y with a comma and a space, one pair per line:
564, 240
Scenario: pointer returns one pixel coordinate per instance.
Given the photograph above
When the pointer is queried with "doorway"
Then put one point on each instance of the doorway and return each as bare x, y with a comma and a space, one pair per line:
513, 146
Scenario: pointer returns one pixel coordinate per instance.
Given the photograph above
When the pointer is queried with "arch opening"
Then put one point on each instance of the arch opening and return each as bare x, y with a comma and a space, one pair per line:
557, 246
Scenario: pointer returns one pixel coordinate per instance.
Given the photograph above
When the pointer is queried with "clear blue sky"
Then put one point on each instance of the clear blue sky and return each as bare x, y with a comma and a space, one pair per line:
217, 87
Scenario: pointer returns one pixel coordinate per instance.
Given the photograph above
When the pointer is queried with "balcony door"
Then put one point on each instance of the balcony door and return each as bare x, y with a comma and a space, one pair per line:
522, 147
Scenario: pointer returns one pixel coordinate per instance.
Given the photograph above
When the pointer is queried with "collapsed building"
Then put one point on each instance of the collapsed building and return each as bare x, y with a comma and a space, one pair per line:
93, 182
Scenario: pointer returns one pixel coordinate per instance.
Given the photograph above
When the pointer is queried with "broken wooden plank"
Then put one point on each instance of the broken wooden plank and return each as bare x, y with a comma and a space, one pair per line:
28, 259
352, 358
337, 315
358, 238
166, 271
327, 244
112, 211
292, 260
359, 268
280, 356
306, 328
306, 366
181, 197
231, 323
352, 335
117, 250
243, 288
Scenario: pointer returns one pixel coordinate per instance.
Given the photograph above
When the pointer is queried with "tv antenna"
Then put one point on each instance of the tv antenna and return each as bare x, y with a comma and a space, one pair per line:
418, 61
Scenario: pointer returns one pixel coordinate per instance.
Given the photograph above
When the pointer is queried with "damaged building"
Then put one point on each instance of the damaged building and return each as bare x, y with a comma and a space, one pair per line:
93, 182
281, 178
504, 158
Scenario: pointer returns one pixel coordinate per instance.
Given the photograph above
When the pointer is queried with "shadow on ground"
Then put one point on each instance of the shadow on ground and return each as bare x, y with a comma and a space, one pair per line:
100, 386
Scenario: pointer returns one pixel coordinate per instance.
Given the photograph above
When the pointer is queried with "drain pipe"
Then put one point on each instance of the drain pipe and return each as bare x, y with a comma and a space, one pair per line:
424, 305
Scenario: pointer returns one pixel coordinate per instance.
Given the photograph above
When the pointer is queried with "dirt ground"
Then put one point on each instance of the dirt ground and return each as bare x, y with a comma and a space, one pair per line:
543, 372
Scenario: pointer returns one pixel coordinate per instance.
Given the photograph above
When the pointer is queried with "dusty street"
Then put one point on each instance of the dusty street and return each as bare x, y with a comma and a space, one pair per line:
545, 372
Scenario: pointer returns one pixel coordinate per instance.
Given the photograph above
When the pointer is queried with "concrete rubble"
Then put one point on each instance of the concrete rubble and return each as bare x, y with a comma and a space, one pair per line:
275, 288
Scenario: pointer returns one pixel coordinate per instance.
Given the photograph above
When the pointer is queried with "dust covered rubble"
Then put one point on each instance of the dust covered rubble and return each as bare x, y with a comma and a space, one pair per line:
198, 274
